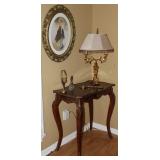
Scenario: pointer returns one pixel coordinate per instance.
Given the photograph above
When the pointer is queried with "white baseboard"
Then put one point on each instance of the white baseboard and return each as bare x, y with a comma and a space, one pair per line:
71, 136
65, 140
104, 128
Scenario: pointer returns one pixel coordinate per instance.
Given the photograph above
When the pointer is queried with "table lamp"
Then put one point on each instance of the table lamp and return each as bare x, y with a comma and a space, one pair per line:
96, 43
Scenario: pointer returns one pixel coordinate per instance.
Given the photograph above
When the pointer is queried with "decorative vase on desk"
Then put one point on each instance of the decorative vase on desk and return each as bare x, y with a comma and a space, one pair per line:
71, 85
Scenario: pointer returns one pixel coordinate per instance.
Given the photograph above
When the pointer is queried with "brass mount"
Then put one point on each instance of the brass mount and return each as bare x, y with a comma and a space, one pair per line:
90, 59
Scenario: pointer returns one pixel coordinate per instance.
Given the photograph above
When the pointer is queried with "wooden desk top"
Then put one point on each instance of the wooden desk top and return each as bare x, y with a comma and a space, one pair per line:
80, 92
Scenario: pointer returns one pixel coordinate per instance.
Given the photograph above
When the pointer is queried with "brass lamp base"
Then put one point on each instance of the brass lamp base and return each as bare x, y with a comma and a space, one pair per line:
95, 73
95, 66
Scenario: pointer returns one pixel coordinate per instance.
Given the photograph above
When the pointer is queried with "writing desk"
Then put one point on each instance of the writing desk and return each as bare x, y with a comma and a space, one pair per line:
79, 95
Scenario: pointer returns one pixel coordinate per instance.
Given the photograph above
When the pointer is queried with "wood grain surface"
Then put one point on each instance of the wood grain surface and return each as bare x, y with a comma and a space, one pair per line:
95, 143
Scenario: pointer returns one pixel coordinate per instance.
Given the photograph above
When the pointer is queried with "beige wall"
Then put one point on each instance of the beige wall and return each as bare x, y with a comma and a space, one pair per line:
87, 18
105, 17
74, 65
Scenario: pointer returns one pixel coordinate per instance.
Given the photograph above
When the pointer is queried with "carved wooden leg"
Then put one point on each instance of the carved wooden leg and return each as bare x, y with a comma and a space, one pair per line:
80, 112
91, 113
83, 120
55, 109
110, 111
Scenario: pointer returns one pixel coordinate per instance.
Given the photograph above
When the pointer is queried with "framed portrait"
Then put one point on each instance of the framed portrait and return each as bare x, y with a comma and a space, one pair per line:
58, 33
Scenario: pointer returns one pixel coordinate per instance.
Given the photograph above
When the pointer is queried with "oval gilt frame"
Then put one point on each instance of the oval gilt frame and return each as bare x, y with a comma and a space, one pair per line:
45, 33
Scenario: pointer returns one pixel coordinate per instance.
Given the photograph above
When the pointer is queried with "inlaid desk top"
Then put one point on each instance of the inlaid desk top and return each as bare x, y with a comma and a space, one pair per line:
88, 91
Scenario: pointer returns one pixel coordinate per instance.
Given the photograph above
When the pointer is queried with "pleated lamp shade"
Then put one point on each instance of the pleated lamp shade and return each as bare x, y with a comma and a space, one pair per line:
96, 43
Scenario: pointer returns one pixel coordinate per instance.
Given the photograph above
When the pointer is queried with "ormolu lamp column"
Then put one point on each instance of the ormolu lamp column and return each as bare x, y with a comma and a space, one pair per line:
98, 44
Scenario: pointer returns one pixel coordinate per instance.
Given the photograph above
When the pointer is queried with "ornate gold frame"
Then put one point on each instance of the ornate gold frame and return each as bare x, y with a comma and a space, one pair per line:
45, 33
